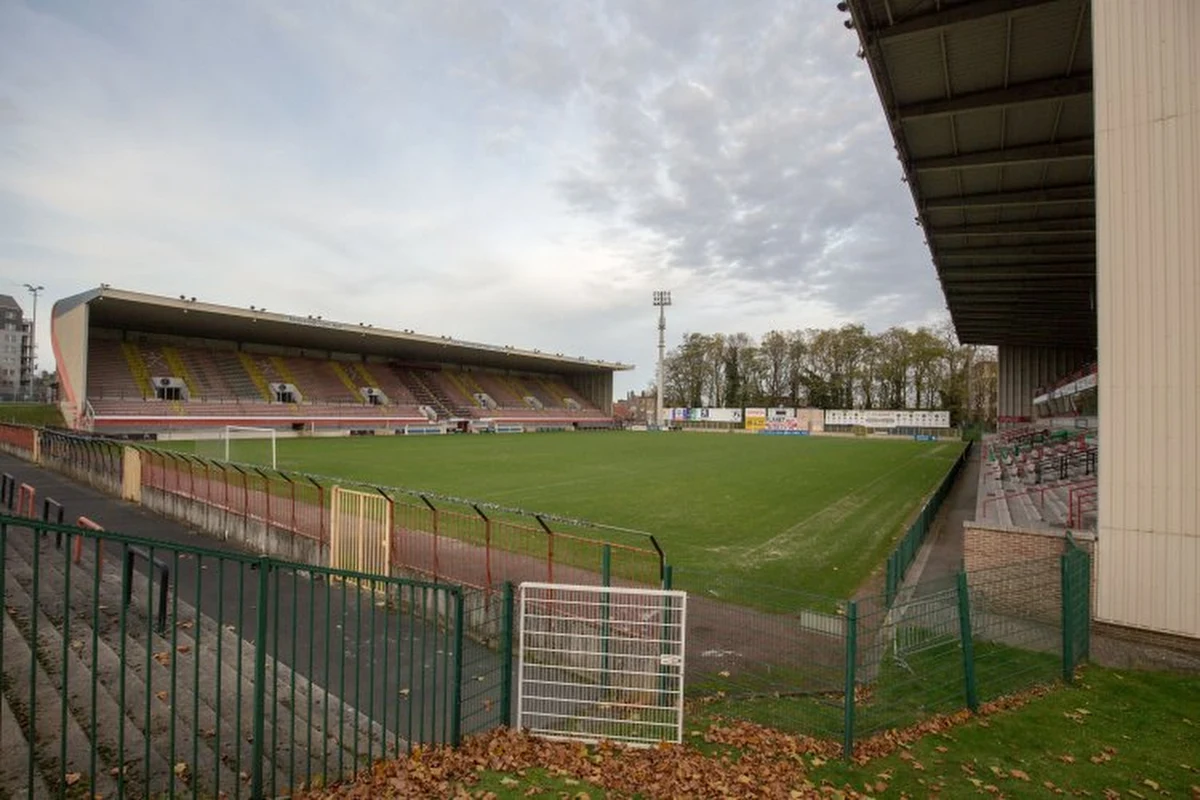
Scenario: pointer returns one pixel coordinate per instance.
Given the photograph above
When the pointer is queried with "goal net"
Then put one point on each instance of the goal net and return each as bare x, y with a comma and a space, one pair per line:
241, 444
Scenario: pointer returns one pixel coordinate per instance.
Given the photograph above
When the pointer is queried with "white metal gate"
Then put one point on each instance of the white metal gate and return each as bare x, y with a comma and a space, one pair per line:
360, 531
601, 662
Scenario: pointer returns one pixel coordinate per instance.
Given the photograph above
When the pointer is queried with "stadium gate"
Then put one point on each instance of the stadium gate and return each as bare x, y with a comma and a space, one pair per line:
360, 528
599, 662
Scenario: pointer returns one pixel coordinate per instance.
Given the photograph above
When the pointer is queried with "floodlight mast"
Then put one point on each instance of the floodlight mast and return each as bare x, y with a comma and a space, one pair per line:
35, 291
662, 299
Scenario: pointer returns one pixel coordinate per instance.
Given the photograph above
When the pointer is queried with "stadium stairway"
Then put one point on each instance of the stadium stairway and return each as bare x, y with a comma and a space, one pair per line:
179, 368
256, 375
137, 367
344, 377
157, 719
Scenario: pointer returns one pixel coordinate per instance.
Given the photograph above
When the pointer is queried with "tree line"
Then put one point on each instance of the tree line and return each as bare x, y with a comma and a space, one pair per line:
846, 367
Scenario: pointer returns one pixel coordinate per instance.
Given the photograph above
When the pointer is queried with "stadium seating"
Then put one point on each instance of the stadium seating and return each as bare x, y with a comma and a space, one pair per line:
232, 387
108, 374
1029, 480
505, 392
386, 381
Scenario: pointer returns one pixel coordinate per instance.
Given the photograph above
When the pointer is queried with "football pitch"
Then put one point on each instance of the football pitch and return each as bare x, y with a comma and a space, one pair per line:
817, 514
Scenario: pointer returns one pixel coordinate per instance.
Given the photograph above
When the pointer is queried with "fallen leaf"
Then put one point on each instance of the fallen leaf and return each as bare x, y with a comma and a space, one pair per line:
1020, 775
1152, 784
161, 696
184, 648
72, 778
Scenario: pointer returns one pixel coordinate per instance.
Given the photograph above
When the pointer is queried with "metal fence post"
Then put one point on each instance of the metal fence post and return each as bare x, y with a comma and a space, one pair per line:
606, 581
851, 663
260, 679
456, 689
1067, 592
891, 583
506, 653
665, 635
968, 642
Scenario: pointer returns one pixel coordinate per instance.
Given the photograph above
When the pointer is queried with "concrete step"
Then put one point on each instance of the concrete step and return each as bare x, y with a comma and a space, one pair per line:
42, 726
14, 760
1055, 510
301, 747
109, 734
153, 718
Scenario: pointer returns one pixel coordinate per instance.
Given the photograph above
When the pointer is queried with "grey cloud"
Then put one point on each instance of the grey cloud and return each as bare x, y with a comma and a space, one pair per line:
740, 139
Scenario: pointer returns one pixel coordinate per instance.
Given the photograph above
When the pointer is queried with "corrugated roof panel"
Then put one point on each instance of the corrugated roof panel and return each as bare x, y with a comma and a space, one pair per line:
1052, 211
979, 130
1021, 176
1056, 120
1064, 173
928, 136
991, 304
1043, 40
937, 184
1077, 119
915, 63
976, 55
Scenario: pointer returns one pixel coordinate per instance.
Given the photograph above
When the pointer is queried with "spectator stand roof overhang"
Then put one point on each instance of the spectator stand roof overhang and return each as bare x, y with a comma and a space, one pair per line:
125, 310
990, 106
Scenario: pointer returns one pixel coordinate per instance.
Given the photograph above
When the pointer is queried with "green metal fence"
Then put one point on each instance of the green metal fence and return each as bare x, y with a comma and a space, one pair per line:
906, 550
248, 677
880, 663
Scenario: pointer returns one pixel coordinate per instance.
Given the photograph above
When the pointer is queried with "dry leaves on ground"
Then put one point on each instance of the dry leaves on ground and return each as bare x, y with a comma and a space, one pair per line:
771, 765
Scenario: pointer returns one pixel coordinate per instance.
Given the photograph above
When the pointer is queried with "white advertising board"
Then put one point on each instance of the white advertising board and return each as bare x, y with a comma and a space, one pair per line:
878, 418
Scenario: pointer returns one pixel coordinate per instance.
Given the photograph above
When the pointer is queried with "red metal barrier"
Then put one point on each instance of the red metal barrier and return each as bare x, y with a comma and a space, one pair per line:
84, 522
17, 436
1077, 498
26, 501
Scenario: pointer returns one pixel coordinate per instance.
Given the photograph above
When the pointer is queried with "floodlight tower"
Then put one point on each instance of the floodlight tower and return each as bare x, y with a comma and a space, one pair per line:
662, 299
35, 291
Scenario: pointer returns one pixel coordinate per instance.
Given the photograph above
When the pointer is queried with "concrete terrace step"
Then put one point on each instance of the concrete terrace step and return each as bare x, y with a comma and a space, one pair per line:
113, 727
202, 683
42, 726
14, 759
109, 733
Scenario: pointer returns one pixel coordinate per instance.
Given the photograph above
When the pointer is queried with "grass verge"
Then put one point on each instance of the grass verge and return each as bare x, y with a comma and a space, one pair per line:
1112, 734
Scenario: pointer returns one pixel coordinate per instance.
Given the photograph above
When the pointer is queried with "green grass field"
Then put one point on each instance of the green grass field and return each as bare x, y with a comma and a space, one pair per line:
818, 514
31, 414
1113, 734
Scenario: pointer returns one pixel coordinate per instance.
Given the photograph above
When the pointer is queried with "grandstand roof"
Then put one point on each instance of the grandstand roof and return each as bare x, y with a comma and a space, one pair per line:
126, 310
990, 106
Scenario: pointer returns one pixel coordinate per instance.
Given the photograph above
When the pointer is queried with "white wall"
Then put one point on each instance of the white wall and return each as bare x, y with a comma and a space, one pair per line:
1147, 90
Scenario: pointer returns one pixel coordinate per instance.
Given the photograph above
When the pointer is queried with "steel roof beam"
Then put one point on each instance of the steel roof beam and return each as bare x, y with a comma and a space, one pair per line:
1078, 193
966, 12
1008, 271
1016, 94
1031, 227
997, 281
1008, 250
1072, 149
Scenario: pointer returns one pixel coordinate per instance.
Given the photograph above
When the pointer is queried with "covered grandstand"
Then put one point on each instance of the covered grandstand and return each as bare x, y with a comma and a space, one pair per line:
137, 363
1052, 149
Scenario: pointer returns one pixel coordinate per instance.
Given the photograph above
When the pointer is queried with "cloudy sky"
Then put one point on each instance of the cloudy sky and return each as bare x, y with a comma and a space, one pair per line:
518, 172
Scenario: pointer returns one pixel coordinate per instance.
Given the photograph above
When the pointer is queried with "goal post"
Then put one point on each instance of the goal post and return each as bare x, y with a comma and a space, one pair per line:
250, 445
